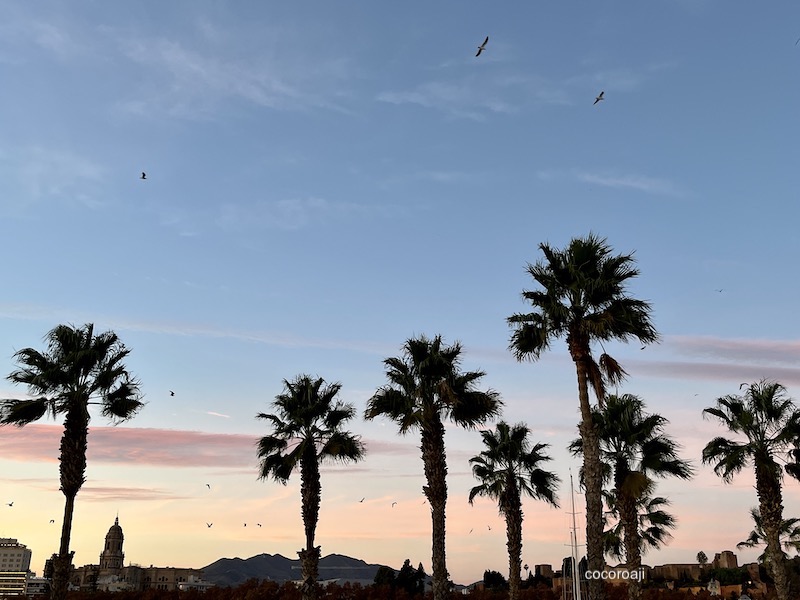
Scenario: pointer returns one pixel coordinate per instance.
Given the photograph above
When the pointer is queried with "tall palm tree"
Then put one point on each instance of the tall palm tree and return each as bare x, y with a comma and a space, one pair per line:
306, 431
584, 299
789, 535
768, 425
654, 524
635, 449
508, 469
78, 369
425, 387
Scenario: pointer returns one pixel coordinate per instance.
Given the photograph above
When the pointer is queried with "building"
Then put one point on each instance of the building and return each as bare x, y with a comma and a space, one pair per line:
112, 576
725, 560
15, 562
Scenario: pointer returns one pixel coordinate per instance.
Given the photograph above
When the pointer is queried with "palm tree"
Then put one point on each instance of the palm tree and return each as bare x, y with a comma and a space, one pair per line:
635, 449
78, 369
768, 423
425, 387
508, 469
789, 535
583, 298
306, 431
654, 525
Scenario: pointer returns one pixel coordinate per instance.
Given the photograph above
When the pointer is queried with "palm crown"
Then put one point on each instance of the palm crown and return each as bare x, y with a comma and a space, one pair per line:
77, 367
427, 382
509, 468
308, 420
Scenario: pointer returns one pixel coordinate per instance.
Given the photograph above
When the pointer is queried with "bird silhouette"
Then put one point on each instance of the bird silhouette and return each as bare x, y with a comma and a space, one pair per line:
208, 485
209, 524
393, 503
719, 290
144, 175
245, 524
470, 531
490, 527
171, 393
10, 504
52, 520
259, 524
482, 47
364, 498
599, 97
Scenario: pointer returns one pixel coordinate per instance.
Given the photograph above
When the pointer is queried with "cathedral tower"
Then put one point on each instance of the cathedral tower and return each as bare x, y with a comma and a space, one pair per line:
112, 557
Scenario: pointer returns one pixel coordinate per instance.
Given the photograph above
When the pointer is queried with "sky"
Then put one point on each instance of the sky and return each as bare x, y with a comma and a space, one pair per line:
326, 180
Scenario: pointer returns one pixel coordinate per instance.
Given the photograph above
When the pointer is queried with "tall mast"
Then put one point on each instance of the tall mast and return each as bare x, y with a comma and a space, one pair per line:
576, 578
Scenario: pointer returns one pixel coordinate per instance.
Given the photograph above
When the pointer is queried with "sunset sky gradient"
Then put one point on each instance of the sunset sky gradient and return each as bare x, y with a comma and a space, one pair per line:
326, 180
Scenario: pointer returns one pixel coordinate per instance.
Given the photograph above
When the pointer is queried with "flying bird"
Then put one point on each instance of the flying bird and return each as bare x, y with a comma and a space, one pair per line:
600, 97
470, 531
52, 520
259, 524
10, 504
364, 498
245, 524
144, 175
719, 290
482, 47
393, 503
490, 527
209, 524
208, 485
171, 393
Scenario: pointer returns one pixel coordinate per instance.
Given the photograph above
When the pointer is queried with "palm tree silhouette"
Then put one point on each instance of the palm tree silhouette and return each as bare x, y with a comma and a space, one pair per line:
508, 469
583, 298
306, 431
425, 387
789, 535
78, 369
768, 425
634, 450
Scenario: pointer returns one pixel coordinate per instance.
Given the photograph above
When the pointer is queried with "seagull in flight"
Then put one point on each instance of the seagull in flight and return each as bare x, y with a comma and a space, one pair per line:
10, 503
490, 527
393, 503
364, 498
171, 393
144, 175
470, 531
259, 524
482, 47
208, 485
52, 520
245, 524
209, 524
599, 97
719, 290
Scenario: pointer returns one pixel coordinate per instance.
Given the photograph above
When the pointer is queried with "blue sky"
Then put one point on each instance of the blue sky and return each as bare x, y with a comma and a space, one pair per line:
325, 181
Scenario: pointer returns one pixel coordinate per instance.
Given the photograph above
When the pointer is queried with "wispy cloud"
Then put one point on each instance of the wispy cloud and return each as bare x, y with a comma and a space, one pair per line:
454, 100
49, 174
612, 179
784, 352
192, 329
156, 447
191, 82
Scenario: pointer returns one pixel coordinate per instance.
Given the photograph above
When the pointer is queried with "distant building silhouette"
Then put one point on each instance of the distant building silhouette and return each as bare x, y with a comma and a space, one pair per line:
112, 576
15, 562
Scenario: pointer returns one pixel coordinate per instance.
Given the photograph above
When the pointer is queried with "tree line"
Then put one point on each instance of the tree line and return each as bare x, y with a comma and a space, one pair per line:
581, 298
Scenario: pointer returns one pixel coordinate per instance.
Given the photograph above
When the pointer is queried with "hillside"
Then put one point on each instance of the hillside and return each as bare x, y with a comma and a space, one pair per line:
275, 567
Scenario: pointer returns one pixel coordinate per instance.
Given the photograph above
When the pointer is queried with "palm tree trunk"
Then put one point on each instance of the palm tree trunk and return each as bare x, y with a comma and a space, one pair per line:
592, 467
633, 555
311, 493
513, 514
435, 465
72, 467
770, 499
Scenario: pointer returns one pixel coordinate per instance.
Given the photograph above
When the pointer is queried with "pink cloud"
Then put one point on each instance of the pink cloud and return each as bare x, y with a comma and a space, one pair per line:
739, 350
149, 446
719, 371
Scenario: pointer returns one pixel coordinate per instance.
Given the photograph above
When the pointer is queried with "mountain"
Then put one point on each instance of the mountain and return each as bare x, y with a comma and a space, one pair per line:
235, 571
